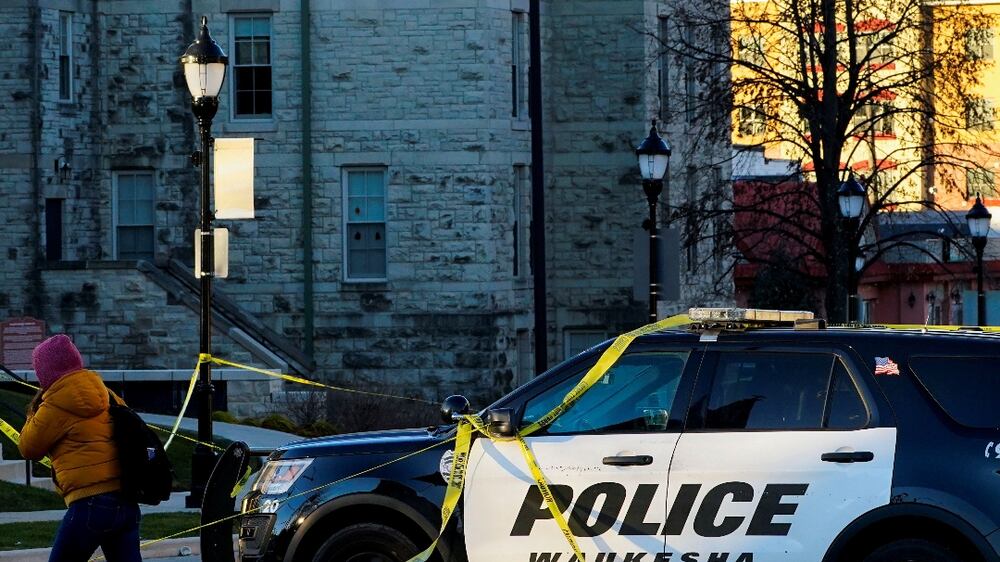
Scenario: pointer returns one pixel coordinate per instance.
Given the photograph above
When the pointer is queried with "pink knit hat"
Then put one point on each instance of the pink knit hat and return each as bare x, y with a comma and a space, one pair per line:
55, 357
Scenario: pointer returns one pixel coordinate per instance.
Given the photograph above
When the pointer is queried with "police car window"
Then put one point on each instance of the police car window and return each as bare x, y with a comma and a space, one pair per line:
759, 390
966, 388
846, 409
635, 395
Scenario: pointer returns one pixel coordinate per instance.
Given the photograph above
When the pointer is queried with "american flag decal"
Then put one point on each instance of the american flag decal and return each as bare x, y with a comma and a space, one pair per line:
886, 366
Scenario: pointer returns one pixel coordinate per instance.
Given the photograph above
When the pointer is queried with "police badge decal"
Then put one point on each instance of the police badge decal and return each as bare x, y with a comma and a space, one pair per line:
445, 465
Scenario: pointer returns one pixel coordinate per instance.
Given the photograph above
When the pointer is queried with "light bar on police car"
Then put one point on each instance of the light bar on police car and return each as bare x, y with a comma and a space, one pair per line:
747, 315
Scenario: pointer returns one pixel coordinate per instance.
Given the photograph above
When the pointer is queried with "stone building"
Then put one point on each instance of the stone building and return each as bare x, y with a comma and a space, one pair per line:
392, 245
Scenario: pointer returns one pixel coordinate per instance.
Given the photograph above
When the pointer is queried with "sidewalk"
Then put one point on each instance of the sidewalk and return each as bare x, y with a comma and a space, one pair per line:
173, 505
254, 437
187, 550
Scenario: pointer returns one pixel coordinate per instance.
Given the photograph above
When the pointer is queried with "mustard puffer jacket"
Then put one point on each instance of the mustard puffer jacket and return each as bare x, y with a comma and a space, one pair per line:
73, 427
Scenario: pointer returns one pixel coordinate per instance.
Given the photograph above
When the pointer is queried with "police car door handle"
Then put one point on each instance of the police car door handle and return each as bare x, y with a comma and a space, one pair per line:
629, 460
848, 457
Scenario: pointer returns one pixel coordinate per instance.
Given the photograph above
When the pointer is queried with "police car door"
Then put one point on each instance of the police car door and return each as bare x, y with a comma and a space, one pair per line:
606, 459
778, 456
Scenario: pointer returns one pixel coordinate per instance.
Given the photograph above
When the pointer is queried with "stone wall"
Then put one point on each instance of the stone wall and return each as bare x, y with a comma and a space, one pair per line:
419, 89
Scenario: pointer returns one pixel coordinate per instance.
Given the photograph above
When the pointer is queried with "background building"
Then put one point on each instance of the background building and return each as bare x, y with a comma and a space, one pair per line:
405, 160
923, 142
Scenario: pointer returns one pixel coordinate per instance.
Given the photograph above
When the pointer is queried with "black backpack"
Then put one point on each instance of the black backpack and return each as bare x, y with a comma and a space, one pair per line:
147, 476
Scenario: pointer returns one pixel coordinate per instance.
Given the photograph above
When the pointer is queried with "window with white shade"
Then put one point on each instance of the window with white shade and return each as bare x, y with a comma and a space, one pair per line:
364, 224
134, 214
251, 84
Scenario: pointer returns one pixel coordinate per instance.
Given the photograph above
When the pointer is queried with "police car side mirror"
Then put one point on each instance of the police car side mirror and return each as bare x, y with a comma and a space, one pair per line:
454, 406
500, 422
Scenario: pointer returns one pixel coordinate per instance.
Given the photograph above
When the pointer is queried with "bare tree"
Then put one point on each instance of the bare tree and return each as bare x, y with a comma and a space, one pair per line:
885, 89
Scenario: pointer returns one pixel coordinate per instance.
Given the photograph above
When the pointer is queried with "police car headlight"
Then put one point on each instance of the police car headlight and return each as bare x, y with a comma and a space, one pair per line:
278, 476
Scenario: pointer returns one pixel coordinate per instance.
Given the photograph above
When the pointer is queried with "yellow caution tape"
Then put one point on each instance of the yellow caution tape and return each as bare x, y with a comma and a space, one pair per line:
17, 380
185, 437
300, 380
596, 373
239, 485
187, 400
550, 500
308, 492
15, 436
456, 482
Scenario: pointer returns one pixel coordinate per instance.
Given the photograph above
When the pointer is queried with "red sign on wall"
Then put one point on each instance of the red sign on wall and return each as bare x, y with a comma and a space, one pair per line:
18, 337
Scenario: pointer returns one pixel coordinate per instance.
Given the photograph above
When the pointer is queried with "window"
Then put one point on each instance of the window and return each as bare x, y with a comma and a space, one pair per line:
749, 50
979, 114
876, 47
635, 395
53, 229
65, 56
979, 44
964, 387
692, 232
252, 66
761, 390
522, 221
663, 83
518, 66
578, 341
867, 307
690, 86
364, 212
980, 181
877, 118
845, 410
134, 216
751, 120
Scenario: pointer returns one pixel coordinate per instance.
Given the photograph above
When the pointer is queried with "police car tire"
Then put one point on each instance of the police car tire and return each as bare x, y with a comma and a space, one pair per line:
366, 538
912, 550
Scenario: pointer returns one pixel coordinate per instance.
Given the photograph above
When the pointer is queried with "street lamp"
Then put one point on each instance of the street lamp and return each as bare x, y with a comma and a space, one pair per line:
654, 161
204, 65
851, 198
978, 219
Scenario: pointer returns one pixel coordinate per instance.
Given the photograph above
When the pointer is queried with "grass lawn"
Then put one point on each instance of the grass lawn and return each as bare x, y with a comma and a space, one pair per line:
18, 497
15, 536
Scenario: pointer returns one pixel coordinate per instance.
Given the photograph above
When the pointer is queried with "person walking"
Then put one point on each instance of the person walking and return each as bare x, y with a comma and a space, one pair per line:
68, 420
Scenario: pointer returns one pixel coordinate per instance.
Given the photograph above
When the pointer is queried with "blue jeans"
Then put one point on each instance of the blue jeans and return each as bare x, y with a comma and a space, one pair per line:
105, 520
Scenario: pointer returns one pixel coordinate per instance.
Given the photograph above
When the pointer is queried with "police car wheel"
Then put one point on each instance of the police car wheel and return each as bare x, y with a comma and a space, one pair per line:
912, 550
366, 542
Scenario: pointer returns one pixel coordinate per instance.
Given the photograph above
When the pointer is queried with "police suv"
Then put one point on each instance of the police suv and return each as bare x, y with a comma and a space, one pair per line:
747, 436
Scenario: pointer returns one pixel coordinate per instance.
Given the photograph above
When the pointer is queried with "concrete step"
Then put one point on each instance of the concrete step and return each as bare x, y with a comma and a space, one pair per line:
13, 471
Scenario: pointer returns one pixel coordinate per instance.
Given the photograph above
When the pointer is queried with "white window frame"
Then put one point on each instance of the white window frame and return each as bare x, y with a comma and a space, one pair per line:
65, 43
345, 214
114, 207
232, 67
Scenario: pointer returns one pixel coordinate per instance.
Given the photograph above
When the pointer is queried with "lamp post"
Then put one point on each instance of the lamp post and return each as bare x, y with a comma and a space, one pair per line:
978, 219
859, 266
851, 198
654, 161
204, 65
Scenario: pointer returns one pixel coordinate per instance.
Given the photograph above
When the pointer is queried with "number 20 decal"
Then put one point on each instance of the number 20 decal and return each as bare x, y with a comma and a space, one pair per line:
993, 449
